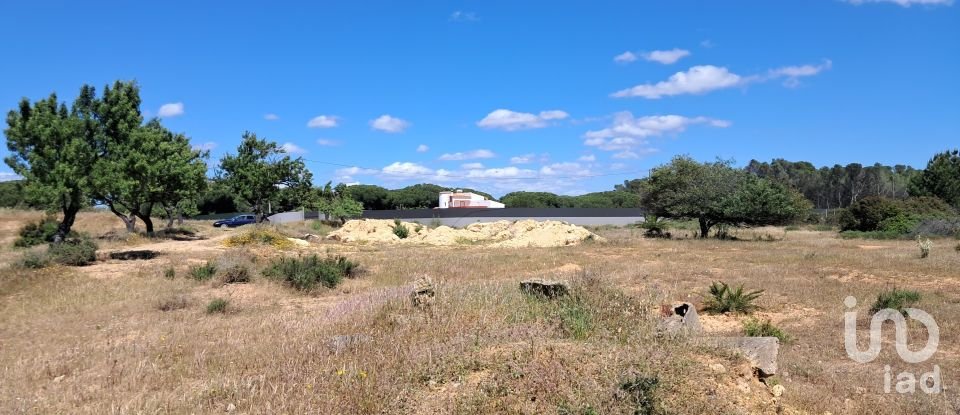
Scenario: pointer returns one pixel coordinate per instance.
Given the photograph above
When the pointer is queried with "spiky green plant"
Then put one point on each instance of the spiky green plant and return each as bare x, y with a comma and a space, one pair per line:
723, 299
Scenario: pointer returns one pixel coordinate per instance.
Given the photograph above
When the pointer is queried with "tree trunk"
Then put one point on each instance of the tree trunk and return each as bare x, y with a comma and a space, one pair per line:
129, 221
704, 228
63, 229
144, 215
170, 213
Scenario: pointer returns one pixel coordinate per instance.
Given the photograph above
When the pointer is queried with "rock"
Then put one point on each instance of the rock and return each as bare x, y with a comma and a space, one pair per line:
544, 288
680, 318
231, 407
311, 237
777, 391
718, 368
343, 342
760, 351
423, 292
59, 379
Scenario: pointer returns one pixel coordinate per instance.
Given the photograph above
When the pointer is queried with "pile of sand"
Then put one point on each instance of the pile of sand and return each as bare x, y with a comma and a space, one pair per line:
505, 234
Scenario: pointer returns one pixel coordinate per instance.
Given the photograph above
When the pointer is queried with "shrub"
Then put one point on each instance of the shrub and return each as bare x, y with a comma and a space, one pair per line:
260, 236
400, 229
39, 233
34, 260
723, 299
655, 228
900, 224
305, 272
203, 272
320, 227
174, 302
217, 305
76, 252
924, 244
236, 274
764, 328
896, 299
170, 273
641, 391
938, 227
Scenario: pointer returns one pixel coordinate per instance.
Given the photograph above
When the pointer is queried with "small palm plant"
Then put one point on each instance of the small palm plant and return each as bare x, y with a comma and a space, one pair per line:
925, 244
723, 299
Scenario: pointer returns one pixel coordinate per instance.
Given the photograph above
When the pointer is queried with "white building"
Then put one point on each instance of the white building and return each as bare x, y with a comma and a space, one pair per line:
461, 199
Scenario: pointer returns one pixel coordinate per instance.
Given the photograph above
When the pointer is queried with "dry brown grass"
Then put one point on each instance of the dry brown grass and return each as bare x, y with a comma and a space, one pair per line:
96, 339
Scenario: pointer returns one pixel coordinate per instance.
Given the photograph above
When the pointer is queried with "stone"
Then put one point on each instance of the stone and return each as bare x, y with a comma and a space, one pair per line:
544, 288
777, 391
311, 237
718, 368
343, 342
59, 379
231, 407
423, 292
760, 351
680, 318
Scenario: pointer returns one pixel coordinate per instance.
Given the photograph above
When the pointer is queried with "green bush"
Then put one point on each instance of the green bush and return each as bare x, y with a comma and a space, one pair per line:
217, 305
900, 224
900, 217
641, 391
896, 299
34, 260
764, 328
400, 229
39, 233
203, 272
655, 228
306, 272
236, 274
723, 299
75, 251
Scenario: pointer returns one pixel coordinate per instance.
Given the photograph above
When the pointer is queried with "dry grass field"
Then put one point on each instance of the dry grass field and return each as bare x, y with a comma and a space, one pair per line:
123, 337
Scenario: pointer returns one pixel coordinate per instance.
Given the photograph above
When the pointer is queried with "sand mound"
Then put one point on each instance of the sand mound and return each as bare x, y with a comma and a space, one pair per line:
501, 234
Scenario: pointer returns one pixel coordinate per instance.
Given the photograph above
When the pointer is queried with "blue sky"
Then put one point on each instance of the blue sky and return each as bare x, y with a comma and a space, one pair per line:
568, 97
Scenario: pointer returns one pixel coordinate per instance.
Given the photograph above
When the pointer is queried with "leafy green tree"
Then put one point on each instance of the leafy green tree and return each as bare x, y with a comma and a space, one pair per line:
716, 193
259, 170
340, 208
372, 197
941, 178
141, 167
11, 194
54, 149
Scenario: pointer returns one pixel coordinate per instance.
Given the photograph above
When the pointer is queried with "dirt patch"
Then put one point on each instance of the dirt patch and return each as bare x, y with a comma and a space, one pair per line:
500, 234
872, 247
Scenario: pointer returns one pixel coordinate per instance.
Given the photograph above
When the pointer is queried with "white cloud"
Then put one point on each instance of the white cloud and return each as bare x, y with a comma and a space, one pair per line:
512, 121
472, 166
323, 142
524, 159
706, 44
423, 148
588, 158
462, 16
626, 154
666, 57
792, 74
6, 176
501, 173
291, 148
564, 169
469, 155
706, 78
696, 80
170, 110
625, 57
389, 124
209, 145
323, 121
271, 117
628, 134
618, 166
906, 3
406, 169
